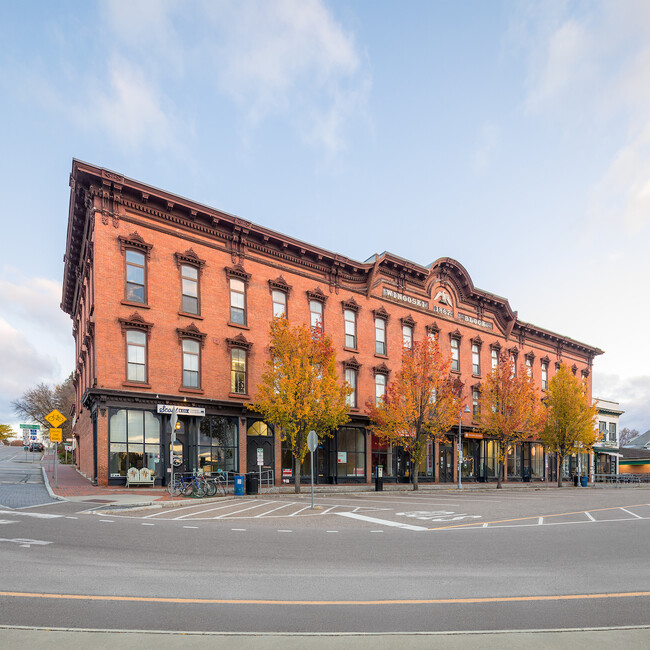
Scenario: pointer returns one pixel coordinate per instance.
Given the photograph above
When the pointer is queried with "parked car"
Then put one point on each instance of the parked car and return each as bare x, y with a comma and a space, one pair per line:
36, 446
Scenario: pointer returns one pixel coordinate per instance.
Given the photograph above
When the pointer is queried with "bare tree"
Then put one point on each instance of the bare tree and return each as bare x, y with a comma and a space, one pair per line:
626, 435
35, 403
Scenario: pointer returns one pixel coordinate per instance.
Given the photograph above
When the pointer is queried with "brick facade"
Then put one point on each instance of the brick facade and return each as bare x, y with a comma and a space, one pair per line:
111, 215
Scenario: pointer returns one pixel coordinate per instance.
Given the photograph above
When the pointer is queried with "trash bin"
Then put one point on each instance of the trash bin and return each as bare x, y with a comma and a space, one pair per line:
583, 481
252, 484
575, 480
526, 476
239, 485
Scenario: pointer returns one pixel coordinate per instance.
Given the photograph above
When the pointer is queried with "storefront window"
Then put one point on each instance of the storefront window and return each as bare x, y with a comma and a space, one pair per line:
218, 444
489, 458
350, 455
537, 460
513, 460
426, 466
381, 456
134, 441
468, 468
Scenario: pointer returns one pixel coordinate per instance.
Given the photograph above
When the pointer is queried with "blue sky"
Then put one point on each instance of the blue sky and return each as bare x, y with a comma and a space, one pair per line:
511, 136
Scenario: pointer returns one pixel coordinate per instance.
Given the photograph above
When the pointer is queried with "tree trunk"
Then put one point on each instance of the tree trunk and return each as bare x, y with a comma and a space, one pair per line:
559, 458
499, 467
296, 474
416, 467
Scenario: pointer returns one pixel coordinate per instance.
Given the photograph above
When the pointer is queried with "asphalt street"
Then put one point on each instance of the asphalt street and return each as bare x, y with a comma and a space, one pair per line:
359, 563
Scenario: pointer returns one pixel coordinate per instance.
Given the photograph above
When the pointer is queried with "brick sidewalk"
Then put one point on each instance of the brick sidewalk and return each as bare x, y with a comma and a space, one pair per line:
70, 483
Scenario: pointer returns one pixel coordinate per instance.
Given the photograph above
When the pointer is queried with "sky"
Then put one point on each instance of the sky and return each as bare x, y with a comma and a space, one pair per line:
511, 136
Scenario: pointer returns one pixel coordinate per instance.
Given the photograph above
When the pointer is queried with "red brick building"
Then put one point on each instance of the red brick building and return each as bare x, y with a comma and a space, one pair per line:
171, 303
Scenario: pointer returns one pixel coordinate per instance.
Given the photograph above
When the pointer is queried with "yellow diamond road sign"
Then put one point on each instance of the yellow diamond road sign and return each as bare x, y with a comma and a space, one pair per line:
55, 418
56, 435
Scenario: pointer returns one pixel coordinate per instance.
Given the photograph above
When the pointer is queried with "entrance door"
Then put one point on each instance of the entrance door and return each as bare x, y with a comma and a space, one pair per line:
259, 436
446, 469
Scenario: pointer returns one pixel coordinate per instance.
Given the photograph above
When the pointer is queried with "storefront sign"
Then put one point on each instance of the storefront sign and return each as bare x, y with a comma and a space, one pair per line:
287, 472
342, 457
180, 410
473, 434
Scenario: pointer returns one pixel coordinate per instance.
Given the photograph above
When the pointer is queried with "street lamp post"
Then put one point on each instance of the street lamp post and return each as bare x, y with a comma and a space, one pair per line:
460, 447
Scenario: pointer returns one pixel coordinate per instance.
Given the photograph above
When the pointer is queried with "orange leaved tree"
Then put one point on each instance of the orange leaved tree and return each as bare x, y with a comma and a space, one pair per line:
421, 404
570, 417
510, 408
300, 390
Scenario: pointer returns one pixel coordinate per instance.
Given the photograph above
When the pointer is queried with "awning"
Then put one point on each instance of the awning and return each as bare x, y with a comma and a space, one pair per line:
609, 453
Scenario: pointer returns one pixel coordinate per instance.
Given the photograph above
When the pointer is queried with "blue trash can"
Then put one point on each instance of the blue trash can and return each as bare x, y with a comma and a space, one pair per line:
240, 487
583, 481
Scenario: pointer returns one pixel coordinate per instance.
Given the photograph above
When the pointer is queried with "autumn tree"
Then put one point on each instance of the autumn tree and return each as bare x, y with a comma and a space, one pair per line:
37, 402
509, 408
570, 417
300, 390
420, 405
6, 432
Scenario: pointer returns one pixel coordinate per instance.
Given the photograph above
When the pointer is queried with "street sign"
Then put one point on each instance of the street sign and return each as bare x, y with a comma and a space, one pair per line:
30, 426
56, 435
260, 456
174, 420
312, 441
55, 418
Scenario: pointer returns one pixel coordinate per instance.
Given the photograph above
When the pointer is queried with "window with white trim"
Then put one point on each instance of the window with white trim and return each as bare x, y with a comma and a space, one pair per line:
136, 354
476, 359
316, 314
191, 363
237, 301
351, 378
380, 387
407, 336
350, 318
455, 355
380, 336
279, 299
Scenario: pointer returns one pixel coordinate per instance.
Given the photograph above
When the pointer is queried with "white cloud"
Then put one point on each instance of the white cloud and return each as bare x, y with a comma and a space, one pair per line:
632, 394
289, 58
587, 66
22, 364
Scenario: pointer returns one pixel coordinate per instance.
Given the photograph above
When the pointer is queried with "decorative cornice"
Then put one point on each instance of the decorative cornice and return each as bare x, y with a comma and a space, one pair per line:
135, 322
350, 304
381, 313
351, 363
279, 284
316, 294
477, 340
407, 320
191, 332
237, 272
432, 328
189, 257
134, 240
381, 369
240, 341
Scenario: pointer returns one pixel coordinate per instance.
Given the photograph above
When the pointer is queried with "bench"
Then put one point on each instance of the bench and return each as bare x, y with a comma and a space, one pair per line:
135, 476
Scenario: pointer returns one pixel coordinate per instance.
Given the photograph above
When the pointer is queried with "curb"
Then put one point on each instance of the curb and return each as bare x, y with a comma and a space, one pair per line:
46, 481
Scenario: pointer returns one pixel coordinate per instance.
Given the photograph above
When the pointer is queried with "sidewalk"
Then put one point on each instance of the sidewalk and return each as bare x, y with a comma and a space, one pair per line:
70, 485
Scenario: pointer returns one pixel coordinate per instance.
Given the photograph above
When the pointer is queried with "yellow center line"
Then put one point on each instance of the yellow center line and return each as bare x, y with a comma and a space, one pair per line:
243, 601
559, 514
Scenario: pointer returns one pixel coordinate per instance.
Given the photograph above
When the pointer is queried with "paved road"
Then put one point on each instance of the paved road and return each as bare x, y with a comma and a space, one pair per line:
272, 565
21, 479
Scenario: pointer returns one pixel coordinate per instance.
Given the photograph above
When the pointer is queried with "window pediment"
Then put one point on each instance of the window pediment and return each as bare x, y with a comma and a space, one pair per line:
135, 322
239, 341
351, 363
189, 257
238, 272
381, 369
134, 240
408, 321
317, 294
191, 332
381, 313
350, 304
279, 284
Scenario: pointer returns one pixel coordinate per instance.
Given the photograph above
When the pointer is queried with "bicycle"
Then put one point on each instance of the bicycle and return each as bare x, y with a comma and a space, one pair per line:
182, 485
218, 483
